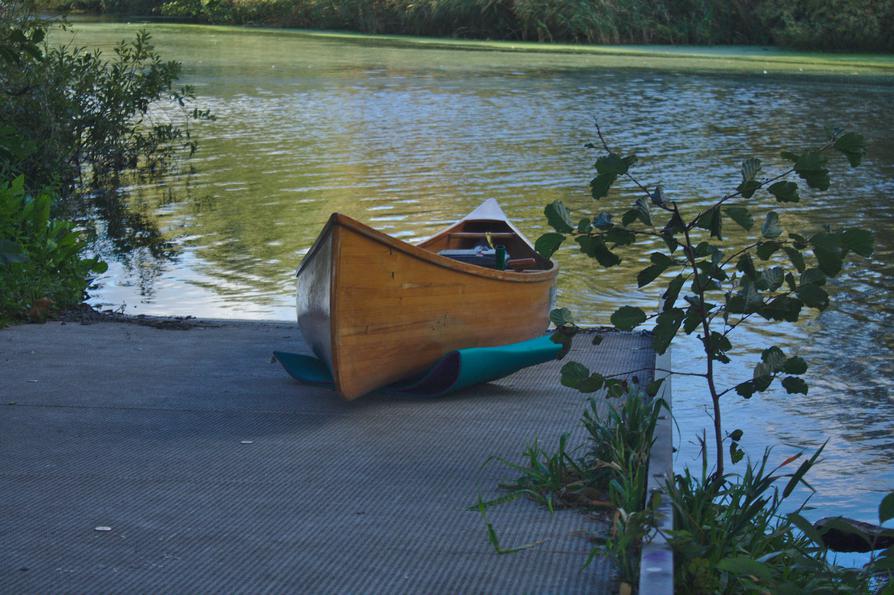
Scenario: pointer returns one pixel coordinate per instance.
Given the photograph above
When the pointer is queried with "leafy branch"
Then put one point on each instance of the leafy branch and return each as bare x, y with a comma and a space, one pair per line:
716, 282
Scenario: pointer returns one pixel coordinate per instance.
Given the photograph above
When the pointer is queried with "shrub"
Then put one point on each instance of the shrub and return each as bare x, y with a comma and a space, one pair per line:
67, 111
41, 268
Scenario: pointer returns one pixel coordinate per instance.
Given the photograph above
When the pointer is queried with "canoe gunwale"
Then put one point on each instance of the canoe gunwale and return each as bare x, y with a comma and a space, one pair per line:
337, 219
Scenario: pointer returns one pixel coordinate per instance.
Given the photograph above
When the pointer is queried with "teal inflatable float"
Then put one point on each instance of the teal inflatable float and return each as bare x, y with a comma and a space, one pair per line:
454, 371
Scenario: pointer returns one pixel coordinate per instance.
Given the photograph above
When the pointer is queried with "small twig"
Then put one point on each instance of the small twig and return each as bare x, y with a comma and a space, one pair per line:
655, 370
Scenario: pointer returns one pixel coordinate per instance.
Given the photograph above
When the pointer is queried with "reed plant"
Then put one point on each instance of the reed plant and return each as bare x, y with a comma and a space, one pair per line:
607, 473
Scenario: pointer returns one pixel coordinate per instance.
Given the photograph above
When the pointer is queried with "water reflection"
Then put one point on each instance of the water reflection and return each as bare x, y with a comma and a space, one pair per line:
410, 139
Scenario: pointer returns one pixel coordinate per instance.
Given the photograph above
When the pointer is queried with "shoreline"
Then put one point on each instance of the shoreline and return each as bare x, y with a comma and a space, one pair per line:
710, 57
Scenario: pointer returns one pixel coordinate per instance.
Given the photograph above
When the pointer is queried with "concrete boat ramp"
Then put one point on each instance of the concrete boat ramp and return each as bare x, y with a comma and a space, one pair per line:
141, 459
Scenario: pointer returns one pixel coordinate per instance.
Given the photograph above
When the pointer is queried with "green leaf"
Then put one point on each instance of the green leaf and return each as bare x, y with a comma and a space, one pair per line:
860, 241
642, 208
693, 320
666, 327
620, 236
548, 243
592, 383
796, 257
670, 241
751, 167
745, 566
647, 275
614, 164
660, 263
99, 266
811, 167
746, 389
719, 345
603, 221
629, 217
766, 249
790, 282
747, 189
561, 317
784, 191
813, 277
793, 385
886, 508
584, 226
852, 146
745, 265
596, 248
771, 228
770, 279
736, 435
752, 300
711, 221
827, 249
783, 308
736, 454
674, 225
741, 216
800, 242
774, 358
813, 296
794, 365
601, 184
558, 217
563, 335
673, 291
573, 373
597, 339
661, 259
41, 212
626, 318
609, 167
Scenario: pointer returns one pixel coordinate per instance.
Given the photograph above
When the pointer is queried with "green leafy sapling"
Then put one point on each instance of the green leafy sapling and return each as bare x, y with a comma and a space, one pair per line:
711, 287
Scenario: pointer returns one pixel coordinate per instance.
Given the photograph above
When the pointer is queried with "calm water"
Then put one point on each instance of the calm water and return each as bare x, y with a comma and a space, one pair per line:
410, 139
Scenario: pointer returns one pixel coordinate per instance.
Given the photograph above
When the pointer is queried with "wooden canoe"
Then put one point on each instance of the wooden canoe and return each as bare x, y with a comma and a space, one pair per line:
378, 310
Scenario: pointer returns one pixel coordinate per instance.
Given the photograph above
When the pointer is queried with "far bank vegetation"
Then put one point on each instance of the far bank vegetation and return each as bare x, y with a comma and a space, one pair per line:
814, 24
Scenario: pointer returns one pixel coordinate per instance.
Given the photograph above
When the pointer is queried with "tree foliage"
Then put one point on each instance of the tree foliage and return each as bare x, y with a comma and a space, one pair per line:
70, 121
66, 111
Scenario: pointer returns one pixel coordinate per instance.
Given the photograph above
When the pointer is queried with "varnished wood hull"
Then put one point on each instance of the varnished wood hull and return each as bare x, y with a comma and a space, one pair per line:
378, 310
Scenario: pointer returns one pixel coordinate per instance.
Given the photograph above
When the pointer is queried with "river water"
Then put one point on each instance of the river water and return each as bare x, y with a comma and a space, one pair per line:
408, 139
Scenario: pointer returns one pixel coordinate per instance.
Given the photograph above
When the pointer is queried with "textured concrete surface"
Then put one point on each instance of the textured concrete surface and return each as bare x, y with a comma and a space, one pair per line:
217, 472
